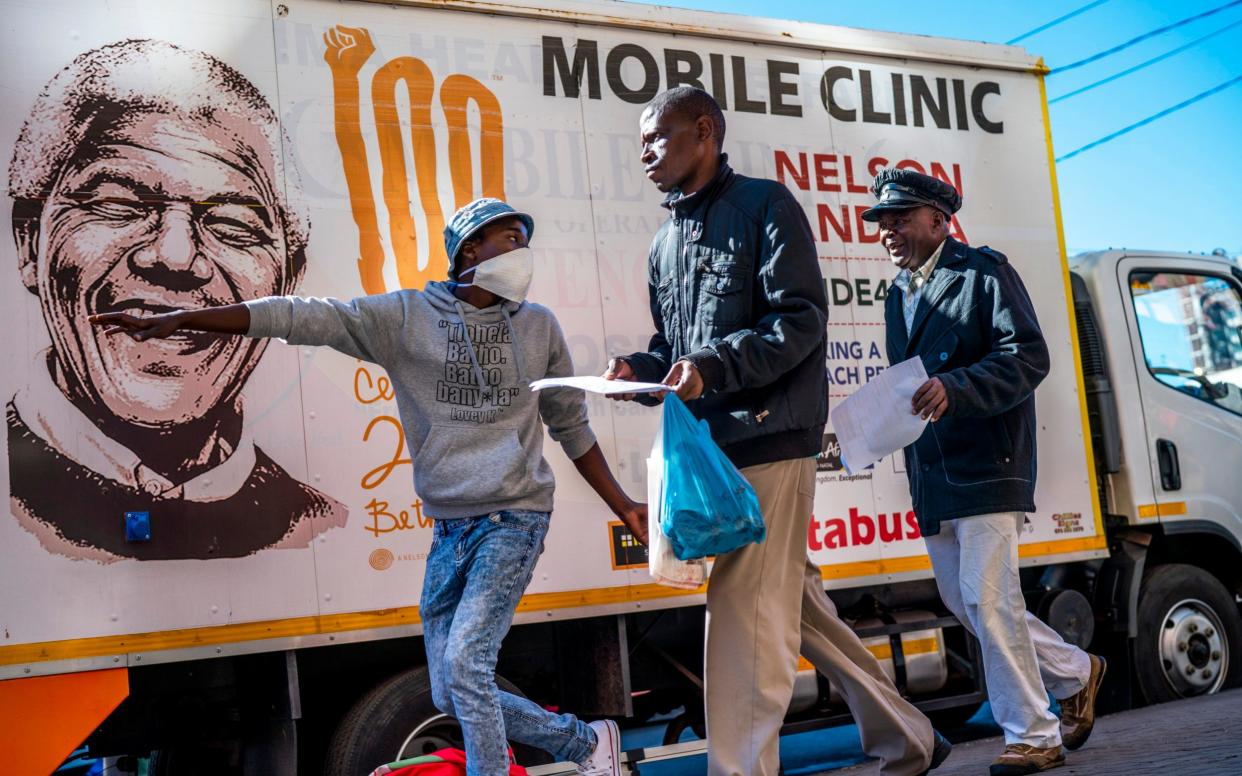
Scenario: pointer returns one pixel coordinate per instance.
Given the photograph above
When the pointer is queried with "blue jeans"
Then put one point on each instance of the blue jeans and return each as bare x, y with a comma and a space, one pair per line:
477, 570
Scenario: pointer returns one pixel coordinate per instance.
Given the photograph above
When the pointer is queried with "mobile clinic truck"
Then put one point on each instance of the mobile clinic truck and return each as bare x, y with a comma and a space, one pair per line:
213, 550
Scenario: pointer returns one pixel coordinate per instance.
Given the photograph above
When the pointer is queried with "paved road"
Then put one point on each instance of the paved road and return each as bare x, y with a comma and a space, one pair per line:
1197, 736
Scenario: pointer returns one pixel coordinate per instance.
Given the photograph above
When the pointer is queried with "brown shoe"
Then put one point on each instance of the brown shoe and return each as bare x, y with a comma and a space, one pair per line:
1021, 758
1078, 711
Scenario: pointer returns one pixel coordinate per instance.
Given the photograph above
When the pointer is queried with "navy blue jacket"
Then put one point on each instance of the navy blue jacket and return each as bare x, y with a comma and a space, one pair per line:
975, 329
735, 288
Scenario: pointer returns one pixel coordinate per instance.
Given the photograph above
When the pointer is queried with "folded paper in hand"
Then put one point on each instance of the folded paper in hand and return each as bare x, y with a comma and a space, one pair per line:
876, 420
595, 384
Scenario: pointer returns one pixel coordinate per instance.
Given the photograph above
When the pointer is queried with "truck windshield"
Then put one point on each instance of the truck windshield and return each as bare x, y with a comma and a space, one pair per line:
1191, 329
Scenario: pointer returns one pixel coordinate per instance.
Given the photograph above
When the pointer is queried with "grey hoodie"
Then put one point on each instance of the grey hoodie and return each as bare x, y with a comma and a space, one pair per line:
461, 378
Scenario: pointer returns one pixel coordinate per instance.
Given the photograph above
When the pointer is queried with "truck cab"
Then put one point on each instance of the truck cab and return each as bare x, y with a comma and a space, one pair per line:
1160, 339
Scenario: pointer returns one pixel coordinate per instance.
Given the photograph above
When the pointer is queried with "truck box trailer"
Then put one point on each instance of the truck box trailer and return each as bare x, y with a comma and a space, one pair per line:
214, 551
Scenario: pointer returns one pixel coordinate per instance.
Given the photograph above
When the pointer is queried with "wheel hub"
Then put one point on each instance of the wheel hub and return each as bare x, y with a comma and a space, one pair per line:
436, 733
1193, 648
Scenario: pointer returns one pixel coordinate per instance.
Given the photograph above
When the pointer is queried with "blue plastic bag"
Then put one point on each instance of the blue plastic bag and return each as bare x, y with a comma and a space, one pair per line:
709, 507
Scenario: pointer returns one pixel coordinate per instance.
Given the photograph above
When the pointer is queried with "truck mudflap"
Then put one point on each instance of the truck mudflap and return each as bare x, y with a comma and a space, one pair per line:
43, 718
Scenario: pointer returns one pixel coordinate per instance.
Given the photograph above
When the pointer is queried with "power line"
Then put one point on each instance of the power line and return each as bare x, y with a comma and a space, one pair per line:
1144, 36
1153, 117
1151, 61
1056, 21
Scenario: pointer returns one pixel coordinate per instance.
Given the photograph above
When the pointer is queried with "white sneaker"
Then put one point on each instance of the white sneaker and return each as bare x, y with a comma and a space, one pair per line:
606, 759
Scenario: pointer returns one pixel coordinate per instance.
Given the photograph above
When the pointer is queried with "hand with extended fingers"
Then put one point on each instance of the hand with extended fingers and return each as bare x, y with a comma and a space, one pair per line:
139, 328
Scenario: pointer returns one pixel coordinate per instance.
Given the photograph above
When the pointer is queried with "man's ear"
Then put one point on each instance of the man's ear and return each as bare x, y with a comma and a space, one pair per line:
26, 237
704, 129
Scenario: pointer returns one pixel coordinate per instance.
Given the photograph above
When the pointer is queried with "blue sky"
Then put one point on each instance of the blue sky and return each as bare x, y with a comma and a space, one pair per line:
1175, 184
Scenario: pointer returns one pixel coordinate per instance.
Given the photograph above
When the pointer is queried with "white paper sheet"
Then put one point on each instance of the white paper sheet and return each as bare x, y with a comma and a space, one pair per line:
875, 420
595, 384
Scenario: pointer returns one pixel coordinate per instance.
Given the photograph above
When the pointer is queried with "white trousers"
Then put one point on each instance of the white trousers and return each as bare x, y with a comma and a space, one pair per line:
975, 560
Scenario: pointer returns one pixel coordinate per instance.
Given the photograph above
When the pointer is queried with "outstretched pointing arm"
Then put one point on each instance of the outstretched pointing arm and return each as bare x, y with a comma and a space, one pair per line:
229, 319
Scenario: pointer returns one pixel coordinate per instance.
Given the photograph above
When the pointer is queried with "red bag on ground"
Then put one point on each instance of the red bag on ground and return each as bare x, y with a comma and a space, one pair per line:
446, 762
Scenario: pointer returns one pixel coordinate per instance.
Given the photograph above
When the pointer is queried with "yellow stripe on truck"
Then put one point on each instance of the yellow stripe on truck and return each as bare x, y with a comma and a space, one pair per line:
313, 625
308, 626
866, 568
1153, 511
1040, 71
885, 651
911, 647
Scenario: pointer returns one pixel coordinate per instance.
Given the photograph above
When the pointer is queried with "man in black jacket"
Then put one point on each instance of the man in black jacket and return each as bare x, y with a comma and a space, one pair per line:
740, 315
966, 314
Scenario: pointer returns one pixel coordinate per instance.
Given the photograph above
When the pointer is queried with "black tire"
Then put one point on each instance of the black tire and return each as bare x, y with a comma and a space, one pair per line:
379, 728
1188, 626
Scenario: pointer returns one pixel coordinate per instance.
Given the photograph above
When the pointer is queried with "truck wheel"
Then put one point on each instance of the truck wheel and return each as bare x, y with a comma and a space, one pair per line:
397, 720
1189, 635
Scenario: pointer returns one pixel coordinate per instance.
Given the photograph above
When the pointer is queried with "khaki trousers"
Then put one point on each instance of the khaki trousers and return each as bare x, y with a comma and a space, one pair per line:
765, 604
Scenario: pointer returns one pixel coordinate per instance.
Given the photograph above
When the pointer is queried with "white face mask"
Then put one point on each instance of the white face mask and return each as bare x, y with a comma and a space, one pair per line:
507, 275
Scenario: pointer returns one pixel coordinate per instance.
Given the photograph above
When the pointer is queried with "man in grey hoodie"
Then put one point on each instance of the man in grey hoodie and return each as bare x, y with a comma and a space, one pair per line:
461, 357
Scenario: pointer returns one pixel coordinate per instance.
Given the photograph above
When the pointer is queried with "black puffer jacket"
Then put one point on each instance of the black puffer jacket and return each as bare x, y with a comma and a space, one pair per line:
735, 288
975, 329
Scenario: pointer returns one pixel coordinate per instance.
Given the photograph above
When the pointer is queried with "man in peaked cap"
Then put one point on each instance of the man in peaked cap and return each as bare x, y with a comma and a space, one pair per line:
965, 312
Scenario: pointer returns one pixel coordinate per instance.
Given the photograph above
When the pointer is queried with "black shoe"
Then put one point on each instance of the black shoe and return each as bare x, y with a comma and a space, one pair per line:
941, 748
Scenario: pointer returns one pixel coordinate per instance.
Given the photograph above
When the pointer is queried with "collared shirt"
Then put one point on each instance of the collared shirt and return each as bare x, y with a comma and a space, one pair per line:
64, 428
913, 283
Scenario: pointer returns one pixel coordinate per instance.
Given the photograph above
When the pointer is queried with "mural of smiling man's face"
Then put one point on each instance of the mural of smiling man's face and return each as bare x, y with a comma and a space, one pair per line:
157, 207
